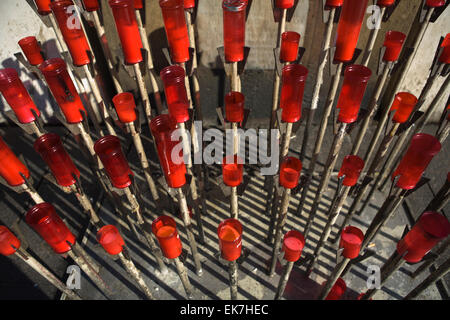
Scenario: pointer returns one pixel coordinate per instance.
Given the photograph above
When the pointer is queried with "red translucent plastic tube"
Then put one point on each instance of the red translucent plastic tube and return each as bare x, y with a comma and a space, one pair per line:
138, 4
289, 46
232, 170
293, 243
125, 107
110, 239
420, 152
435, 3
293, 86
51, 149
445, 55
431, 228
31, 50
351, 168
116, 165
188, 4
403, 105
234, 106
176, 29
127, 28
385, 3
393, 41
173, 78
63, 89
70, 25
162, 128
165, 230
44, 220
356, 78
234, 29
338, 290
43, 7
8, 242
333, 3
91, 5
284, 4
290, 172
350, 22
11, 167
351, 240
230, 239
17, 96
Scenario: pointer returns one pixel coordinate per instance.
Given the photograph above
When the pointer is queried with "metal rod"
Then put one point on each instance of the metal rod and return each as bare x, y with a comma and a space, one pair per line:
36, 129
136, 275
234, 77
284, 279
86, 205
182, 273
441, 199
233, 272
371, 42
143, 91
333, 277
430, 261
34, 195
234, 203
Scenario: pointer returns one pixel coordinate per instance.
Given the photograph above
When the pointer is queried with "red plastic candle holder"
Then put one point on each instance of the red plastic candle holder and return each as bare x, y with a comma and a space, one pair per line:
90, 5
403, 105
445, 55
11, 167
431, 228
338, 290
70, 25
230, 239
44, 220
165, 230
173, 78
385, 3
17, 96
63, 89
43, 7
421, 151
289, 46
138, 4
393, 41
435, 3
234, 106
290, 172
31, 50
176, 29
110, 239
351, 168
234, 29
125, 107
351, 240
127, 28
8, 242
51, 149
293, 243
116, 165
333, 3
349, 26
293, 86
232, 170
284, 4
356, 78
163, 127
188, 4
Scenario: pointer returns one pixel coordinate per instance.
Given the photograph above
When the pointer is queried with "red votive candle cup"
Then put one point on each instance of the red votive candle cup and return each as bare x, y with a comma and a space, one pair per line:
435, 3
43, 7
17, 96
445, 55
44, 220
125, 107
165, 230
162, 128
356, 78
230, 239
70, 25
138, 4
351, 168
51, 149
173, 78
284, 4
403, 105
351, 240
127, 28
232, 170
110, 239
385, 3
338, 290
188, 4
289, 46
8, 242
116, 165
349, 26
393, 41
176, 29
431, 228
90, 5
31, 50
333, 3
11, 167
290, 172
293, 243
234, 29
293, 86
420, 152
63, 89
234, 106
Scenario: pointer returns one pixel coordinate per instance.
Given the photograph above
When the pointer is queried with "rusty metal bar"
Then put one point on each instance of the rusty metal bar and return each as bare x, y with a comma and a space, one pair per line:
136, 275
182, 273
233, 272
333, 277
284, 279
